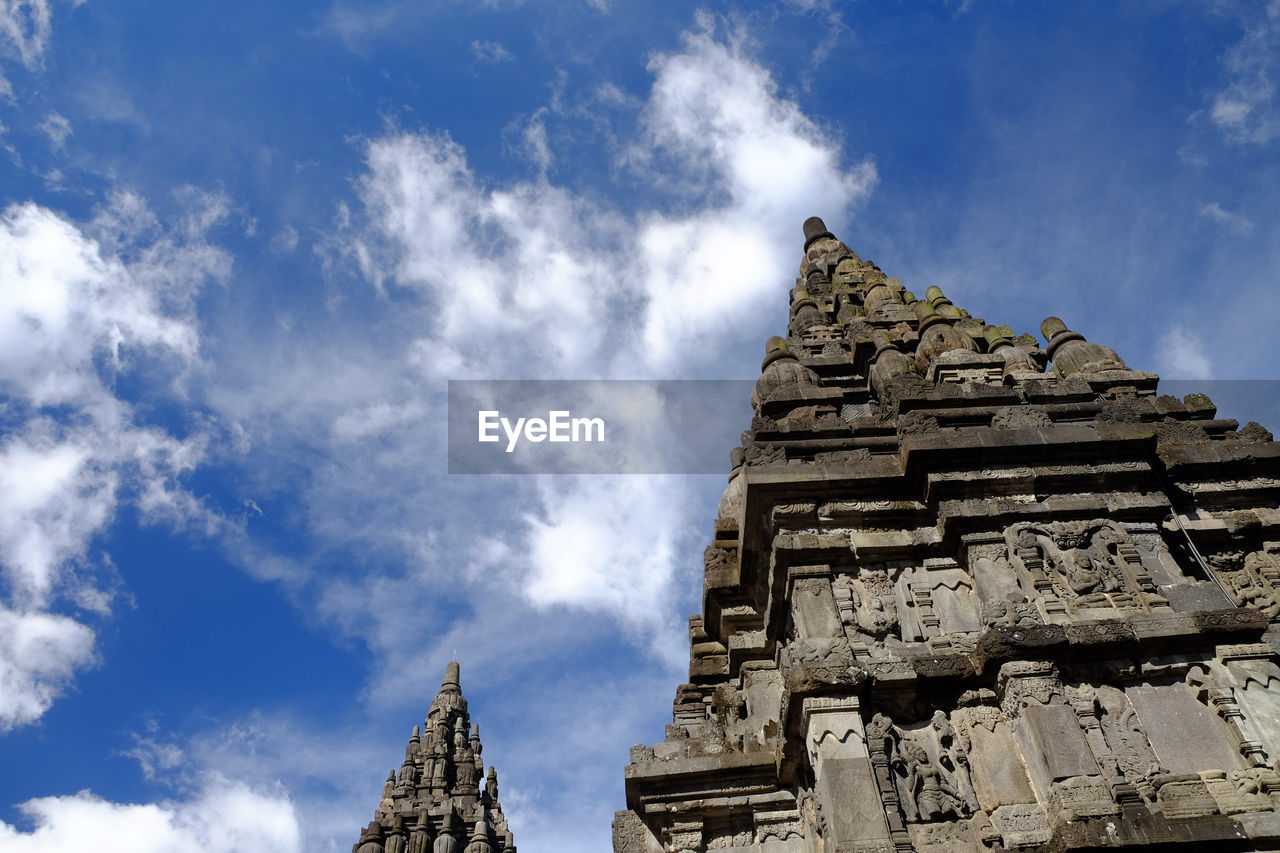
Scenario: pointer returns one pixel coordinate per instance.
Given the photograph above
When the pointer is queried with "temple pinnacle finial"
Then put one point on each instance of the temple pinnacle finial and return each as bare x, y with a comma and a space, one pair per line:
814, 228
452, 678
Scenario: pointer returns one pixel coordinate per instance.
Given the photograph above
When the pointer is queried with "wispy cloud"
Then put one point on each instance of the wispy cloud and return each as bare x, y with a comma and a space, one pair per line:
285, 240
491, 51
57, 128
1183, 355
25, 26
1233, 222
24, 30
1246, 109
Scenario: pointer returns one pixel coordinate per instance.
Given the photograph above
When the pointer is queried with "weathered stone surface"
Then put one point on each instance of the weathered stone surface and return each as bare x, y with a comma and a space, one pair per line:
1186, 736
1191, 597
630, 835
1021, 825
999, 776
1059, 743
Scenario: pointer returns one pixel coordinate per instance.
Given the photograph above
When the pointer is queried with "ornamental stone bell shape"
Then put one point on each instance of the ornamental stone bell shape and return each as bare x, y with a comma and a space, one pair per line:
967, 593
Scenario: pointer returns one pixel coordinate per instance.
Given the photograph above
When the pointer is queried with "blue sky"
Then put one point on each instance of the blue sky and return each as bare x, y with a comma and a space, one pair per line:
243, 246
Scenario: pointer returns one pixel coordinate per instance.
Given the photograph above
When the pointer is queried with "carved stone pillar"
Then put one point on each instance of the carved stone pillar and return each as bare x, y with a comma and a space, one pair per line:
1063, 769
844, 779
878, 746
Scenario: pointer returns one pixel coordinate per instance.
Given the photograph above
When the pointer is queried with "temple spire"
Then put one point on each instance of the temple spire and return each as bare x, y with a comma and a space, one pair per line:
437, 798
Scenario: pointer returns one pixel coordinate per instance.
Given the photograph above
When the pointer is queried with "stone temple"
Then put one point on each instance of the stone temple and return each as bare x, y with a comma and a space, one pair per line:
965, 593
440, 800
970, 593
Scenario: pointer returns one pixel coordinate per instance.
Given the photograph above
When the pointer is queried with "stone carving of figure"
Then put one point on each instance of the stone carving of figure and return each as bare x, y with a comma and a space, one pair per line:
1240, 576
871, 614
955, 758
1081, 573
935, 798
464, 768
459, 736
440, 761
880, 734
998, 613
1087, 577
1131, 751
892, 773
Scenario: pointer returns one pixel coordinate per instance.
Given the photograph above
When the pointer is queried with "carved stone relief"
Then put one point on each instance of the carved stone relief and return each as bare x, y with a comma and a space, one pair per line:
683, 837
867, 605
929, 767
1084, 569
1251, 580
1131, 752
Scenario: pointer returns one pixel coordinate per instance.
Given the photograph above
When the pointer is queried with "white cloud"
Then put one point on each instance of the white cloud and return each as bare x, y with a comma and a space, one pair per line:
264, 774
1233, 222
718, 115
74, 317
1246, 110
39, 653
57, 128
607, 543
286, 240
24, 35
748, 164
533, 279
536, 146
101, 100
1183, 356
504, 264
24, 30
490, 51
222, 817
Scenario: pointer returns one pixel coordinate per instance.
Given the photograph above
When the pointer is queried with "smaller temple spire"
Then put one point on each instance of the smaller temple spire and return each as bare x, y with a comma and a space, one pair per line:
435, 803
